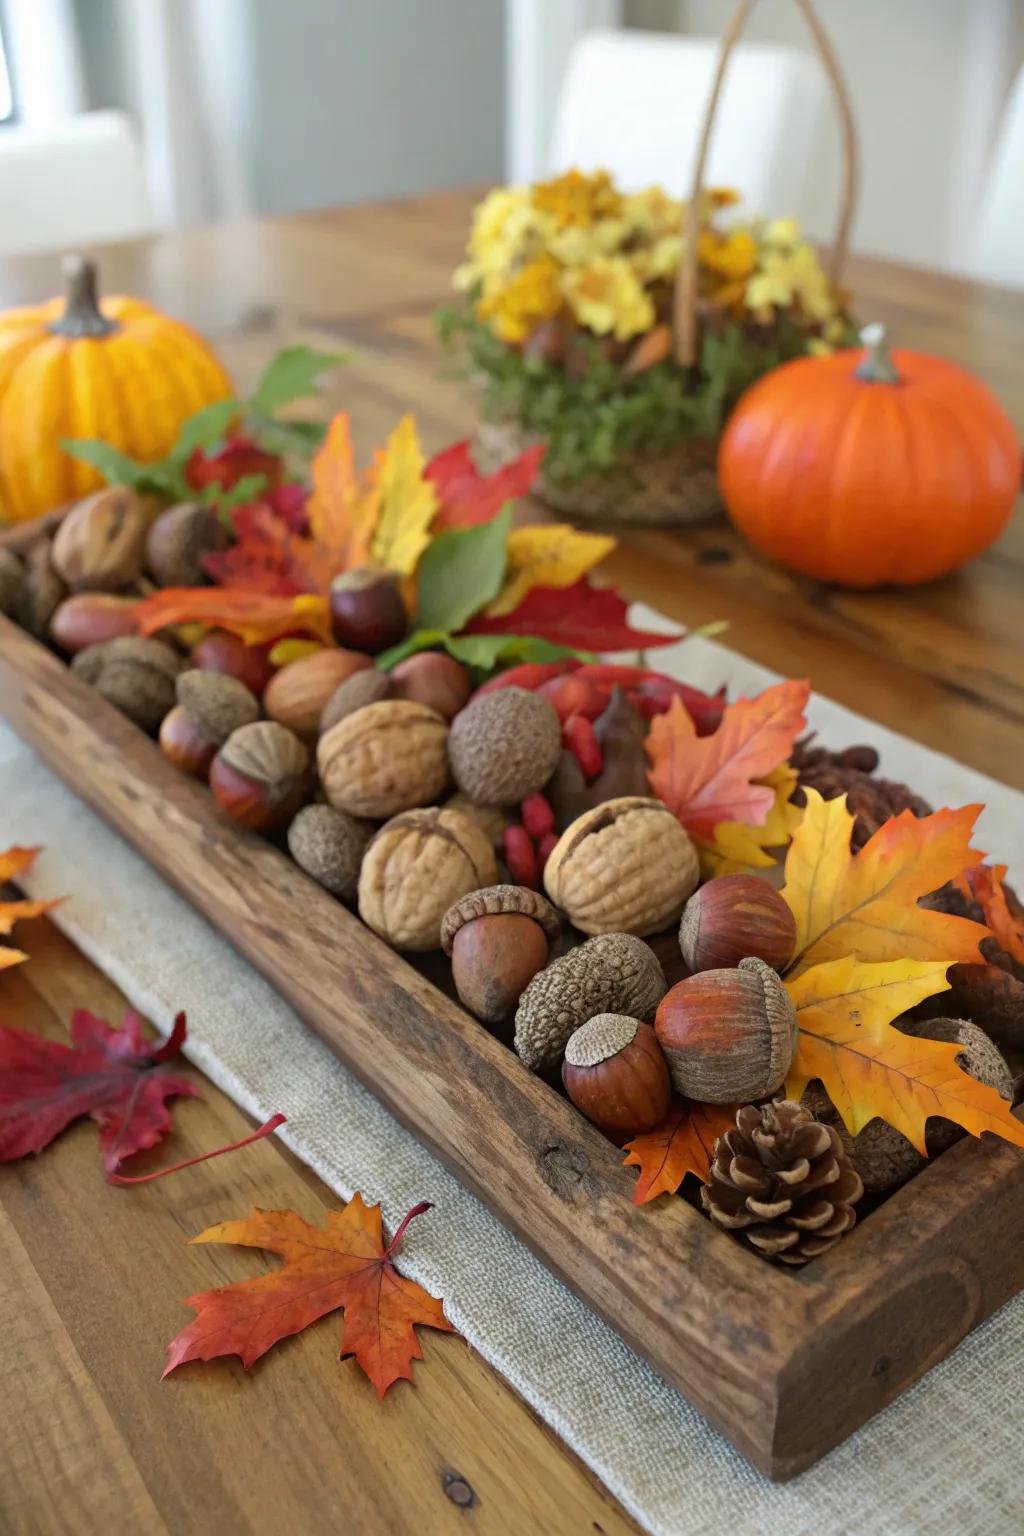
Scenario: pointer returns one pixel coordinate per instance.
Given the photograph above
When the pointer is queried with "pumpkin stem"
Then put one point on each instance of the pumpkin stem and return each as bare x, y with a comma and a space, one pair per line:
876, 366
82, 315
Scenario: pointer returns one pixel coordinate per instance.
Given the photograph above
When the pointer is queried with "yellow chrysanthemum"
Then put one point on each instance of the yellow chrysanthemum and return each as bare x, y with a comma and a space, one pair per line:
653, 213
503, 231
576, 198
515, 307
732, 256
608, 298
781, 232
579, 244
787, 279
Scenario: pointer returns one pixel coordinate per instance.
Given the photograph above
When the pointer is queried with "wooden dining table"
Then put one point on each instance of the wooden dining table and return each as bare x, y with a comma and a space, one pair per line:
92, 1279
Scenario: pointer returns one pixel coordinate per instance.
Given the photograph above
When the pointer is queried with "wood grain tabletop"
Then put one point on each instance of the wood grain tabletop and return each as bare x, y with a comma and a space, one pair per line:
93, 1280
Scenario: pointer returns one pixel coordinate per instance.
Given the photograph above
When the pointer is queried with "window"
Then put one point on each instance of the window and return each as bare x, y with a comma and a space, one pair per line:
6, 102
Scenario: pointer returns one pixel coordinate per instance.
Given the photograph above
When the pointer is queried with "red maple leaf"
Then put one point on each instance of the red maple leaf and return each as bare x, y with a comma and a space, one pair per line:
343, 1264
239, 457
584, 617
466, 497
267, 557
114, 1075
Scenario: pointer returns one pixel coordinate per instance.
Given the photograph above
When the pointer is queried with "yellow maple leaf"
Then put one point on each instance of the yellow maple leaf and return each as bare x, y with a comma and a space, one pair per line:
406, 501
547, 555
738, 847
868, 1068
864, 905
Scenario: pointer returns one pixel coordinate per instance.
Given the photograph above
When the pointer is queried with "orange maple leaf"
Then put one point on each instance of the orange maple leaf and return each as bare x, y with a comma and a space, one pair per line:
865, 905
255, 617
344, 1264
341, 515
985, 884
707, 780
14, 862
683, 1143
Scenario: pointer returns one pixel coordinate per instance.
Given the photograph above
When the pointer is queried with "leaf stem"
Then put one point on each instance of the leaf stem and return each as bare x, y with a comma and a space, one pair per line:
417, 1210
267, 1129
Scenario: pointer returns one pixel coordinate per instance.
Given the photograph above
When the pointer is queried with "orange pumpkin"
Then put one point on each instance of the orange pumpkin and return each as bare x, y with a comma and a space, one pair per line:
124, 373
869, 469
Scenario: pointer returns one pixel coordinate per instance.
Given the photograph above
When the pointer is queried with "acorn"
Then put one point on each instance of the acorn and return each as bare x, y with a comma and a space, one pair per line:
734, 916
504, 746
615, 1074
729, 1036
329, 845
434, 679
215, 703
220, 651
498, 938
184, 745
367, 612
260, 774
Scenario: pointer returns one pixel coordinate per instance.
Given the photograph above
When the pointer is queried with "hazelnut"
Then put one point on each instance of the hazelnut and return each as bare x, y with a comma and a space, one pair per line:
99, 544
221, 652
384, 758
259, 775
215, 703
12, 574
296, 695
416, 866
626, 866
366, 687
178, 541
615, 1074
613, 973
734, 916
135, 674
498, 940
504, 745
728, 1036
184, 745
431, 678
89, 618
329, 845
367, 612
491, 818
42, 591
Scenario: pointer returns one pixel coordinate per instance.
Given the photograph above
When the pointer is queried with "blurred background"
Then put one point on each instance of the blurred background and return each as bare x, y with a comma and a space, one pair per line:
118, 117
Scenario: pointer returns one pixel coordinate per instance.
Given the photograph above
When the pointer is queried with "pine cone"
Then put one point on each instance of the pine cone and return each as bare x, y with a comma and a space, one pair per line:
851, 773
783, 1181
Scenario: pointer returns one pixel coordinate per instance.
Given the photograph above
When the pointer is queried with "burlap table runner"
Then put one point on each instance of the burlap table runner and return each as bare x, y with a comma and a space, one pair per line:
947, 1457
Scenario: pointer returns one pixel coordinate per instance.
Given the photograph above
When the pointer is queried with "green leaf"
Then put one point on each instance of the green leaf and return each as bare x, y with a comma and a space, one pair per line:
301, 438
205, 429
118, 469
461, 571
419, 640
245, 489
488, 651
292, 375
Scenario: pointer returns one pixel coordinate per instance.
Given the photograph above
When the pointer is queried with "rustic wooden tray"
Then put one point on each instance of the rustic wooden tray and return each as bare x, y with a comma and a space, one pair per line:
785, 1363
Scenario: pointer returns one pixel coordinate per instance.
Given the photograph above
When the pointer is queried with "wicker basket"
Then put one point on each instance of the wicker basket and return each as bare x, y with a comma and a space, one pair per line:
679, 486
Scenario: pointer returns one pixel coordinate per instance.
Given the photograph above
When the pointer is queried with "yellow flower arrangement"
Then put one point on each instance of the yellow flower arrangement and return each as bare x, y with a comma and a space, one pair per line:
576, 244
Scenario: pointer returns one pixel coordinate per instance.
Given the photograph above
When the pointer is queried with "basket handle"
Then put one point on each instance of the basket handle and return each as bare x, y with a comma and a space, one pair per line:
684, 312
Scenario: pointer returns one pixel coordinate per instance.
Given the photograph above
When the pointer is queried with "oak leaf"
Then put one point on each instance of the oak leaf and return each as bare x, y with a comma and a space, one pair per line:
257, 618
548, 555
467, 498
580, 616
404, 501
986, 884
868, 1068
343, 1264
683, 1143
708, 780
865, 905
114, 1075
14, 862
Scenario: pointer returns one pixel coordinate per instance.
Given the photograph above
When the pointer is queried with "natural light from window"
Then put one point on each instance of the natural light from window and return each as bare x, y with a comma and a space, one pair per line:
6, 104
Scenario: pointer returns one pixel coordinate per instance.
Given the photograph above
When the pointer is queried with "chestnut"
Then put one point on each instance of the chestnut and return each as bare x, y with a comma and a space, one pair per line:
734, 916
184, 745
220, 651
367, 612
259, 777
498, 939
729, 1036
434, 679
615, 1074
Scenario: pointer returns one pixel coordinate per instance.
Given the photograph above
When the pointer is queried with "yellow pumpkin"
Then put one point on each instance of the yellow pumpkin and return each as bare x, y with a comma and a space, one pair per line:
125, 373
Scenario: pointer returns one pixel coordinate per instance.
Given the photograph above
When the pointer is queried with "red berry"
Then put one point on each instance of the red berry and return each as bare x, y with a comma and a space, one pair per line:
546, 847
538, 817
521, 858
578, 735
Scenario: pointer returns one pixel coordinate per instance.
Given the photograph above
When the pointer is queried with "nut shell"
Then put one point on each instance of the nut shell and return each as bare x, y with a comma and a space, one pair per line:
178, 541
494, 959
215, 703
612, 973
504, 745
41, 593
729, 1036
184, 745
259, 775
496, 900
434, 679
329, 845
99, 544
221, 652
417, 865
296, 695
12, 574
385, 758
731, 917
368, 686
135, 674
625, 867
615, 1074
367, 612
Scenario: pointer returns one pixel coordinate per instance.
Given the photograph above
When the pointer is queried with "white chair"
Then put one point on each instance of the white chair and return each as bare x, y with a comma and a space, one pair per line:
633, 103
78, 181
998, 253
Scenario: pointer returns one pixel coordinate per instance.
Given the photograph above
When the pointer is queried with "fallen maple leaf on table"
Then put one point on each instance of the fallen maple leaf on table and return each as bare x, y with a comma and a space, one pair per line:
581, 616
468, 498
683, 1143
715, 780
14, 862
866, 904
344, 1264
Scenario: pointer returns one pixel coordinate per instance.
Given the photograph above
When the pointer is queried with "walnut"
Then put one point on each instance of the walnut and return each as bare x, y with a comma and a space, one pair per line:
613, 973
385, 758
98, 547
418, 864
626, 866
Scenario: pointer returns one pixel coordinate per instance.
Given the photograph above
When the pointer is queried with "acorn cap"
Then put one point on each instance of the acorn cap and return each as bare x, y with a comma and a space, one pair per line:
600, 1038
215, 703
493, 901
